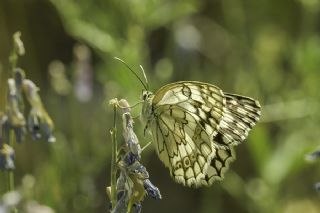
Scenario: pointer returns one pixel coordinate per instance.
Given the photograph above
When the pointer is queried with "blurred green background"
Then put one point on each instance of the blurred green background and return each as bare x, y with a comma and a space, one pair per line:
267, 49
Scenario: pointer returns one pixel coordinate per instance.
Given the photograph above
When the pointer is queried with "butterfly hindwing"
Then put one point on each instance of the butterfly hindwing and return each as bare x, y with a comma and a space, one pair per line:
219, 165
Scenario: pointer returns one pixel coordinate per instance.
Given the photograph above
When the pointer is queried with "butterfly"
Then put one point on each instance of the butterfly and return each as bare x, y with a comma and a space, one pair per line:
195, 127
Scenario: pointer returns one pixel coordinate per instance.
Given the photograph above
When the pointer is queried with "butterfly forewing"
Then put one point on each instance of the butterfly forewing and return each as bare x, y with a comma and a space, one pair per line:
194, 126
241, 114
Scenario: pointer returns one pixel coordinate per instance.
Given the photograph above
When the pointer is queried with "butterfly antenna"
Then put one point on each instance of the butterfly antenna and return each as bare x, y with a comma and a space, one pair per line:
122, 61
145, 77
130, 107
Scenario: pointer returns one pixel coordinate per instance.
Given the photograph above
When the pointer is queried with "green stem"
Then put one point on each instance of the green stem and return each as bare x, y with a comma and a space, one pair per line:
13, 58
10, 172
10, 180
113, 133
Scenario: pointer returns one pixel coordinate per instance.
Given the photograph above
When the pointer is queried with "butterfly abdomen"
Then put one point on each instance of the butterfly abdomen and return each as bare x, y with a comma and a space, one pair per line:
240, 115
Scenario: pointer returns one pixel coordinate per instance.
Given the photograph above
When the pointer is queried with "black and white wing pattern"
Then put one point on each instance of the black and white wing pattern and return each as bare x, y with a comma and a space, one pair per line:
195, 126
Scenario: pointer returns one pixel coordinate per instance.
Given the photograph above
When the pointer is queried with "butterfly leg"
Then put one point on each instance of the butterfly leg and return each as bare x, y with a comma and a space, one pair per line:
145, 146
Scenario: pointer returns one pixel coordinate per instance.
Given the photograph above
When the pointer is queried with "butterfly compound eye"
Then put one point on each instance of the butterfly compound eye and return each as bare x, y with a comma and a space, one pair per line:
144, 95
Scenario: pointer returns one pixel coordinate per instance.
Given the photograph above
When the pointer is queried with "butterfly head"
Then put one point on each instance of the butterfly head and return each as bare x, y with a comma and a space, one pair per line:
146, 114
146, 95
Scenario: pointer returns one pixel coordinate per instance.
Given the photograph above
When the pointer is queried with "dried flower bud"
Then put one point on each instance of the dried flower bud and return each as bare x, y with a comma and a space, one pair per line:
313, 155
6, 157
11, 199
124, 105
3, 122
137, 207
18, 44
138, 170
152, 190
133, 182
19, 76
58, 78
130, 158
113, 101
15, 119
83, 73
15, 116
129, 136
39, 120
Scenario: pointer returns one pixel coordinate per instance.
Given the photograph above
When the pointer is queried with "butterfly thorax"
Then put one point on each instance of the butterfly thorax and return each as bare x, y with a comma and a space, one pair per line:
147, 110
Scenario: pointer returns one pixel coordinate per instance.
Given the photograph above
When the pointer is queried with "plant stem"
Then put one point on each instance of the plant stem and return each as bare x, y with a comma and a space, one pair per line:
13, 61
13, 58
113, 133
11, 172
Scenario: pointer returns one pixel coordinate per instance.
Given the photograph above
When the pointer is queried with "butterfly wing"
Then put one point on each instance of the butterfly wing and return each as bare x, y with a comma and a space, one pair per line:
183, 146
184, 125
240, 115
194, 130
219, 165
